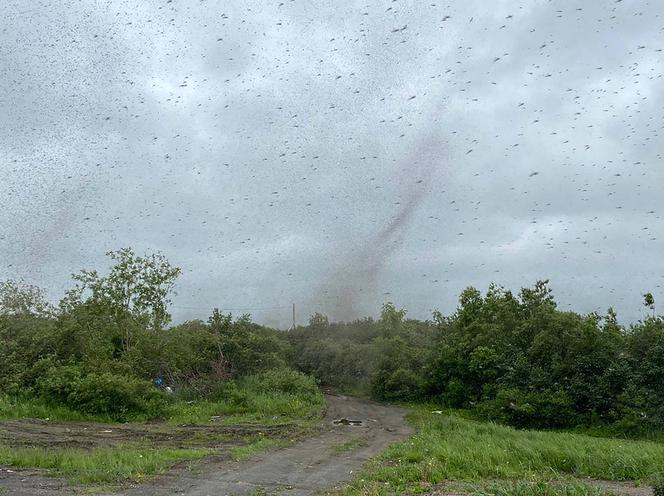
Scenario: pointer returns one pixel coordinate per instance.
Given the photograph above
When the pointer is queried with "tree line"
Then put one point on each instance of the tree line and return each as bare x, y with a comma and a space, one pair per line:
513, 358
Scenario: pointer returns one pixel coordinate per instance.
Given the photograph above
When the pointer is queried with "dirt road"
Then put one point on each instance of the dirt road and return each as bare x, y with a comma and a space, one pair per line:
323, 462
354, 431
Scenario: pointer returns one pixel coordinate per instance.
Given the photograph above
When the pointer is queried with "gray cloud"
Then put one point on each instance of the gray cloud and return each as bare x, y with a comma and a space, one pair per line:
273, 149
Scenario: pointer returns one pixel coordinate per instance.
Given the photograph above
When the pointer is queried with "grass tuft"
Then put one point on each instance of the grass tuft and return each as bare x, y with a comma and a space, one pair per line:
12, 408
98, 465
352, 445
259, 445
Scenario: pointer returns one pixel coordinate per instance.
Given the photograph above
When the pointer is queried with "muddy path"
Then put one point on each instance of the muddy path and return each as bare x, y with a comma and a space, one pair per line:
353, 430
35, 433
357, 430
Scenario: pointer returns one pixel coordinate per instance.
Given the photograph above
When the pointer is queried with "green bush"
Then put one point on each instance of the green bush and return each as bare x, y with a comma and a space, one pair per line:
116, 396
282, 380
235, 396
58, 383
398, 385
338, 362
24, 341
455, 394
247, 347
544, 409
275, 393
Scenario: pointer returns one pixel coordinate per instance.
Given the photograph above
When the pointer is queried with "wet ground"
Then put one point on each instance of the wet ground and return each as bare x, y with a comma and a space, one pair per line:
308, 467
353, 430
86, 435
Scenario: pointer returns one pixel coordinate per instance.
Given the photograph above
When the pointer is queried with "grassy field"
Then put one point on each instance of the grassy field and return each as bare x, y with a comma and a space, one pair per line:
484, 458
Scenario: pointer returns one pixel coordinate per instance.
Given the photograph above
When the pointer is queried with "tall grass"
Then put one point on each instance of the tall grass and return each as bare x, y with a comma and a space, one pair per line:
273, 397
262, 408
448, 447
25, 407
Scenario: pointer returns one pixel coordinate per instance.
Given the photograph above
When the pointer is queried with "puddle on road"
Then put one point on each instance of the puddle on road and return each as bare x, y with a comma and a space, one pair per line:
346, 421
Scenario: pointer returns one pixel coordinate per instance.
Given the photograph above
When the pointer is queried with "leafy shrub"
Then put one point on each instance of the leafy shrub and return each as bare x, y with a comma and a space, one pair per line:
105, 393
117, 396
282, 380
399, 375
398, 385
235, 396
58, 383
24, 340
338, 362
545, 409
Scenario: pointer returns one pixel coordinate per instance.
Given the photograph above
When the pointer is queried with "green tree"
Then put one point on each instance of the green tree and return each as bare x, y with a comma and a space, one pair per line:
649, 302
21, 299
318, 321
247, 347
391, 319
135, 289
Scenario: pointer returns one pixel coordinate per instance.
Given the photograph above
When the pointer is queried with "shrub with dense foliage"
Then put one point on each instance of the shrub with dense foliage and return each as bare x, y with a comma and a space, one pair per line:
101, 393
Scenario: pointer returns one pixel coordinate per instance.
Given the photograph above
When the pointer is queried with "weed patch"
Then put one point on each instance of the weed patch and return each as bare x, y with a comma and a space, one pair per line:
99, 465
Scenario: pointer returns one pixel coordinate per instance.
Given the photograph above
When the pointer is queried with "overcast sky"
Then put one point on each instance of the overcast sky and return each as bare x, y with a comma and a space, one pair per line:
337, 154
